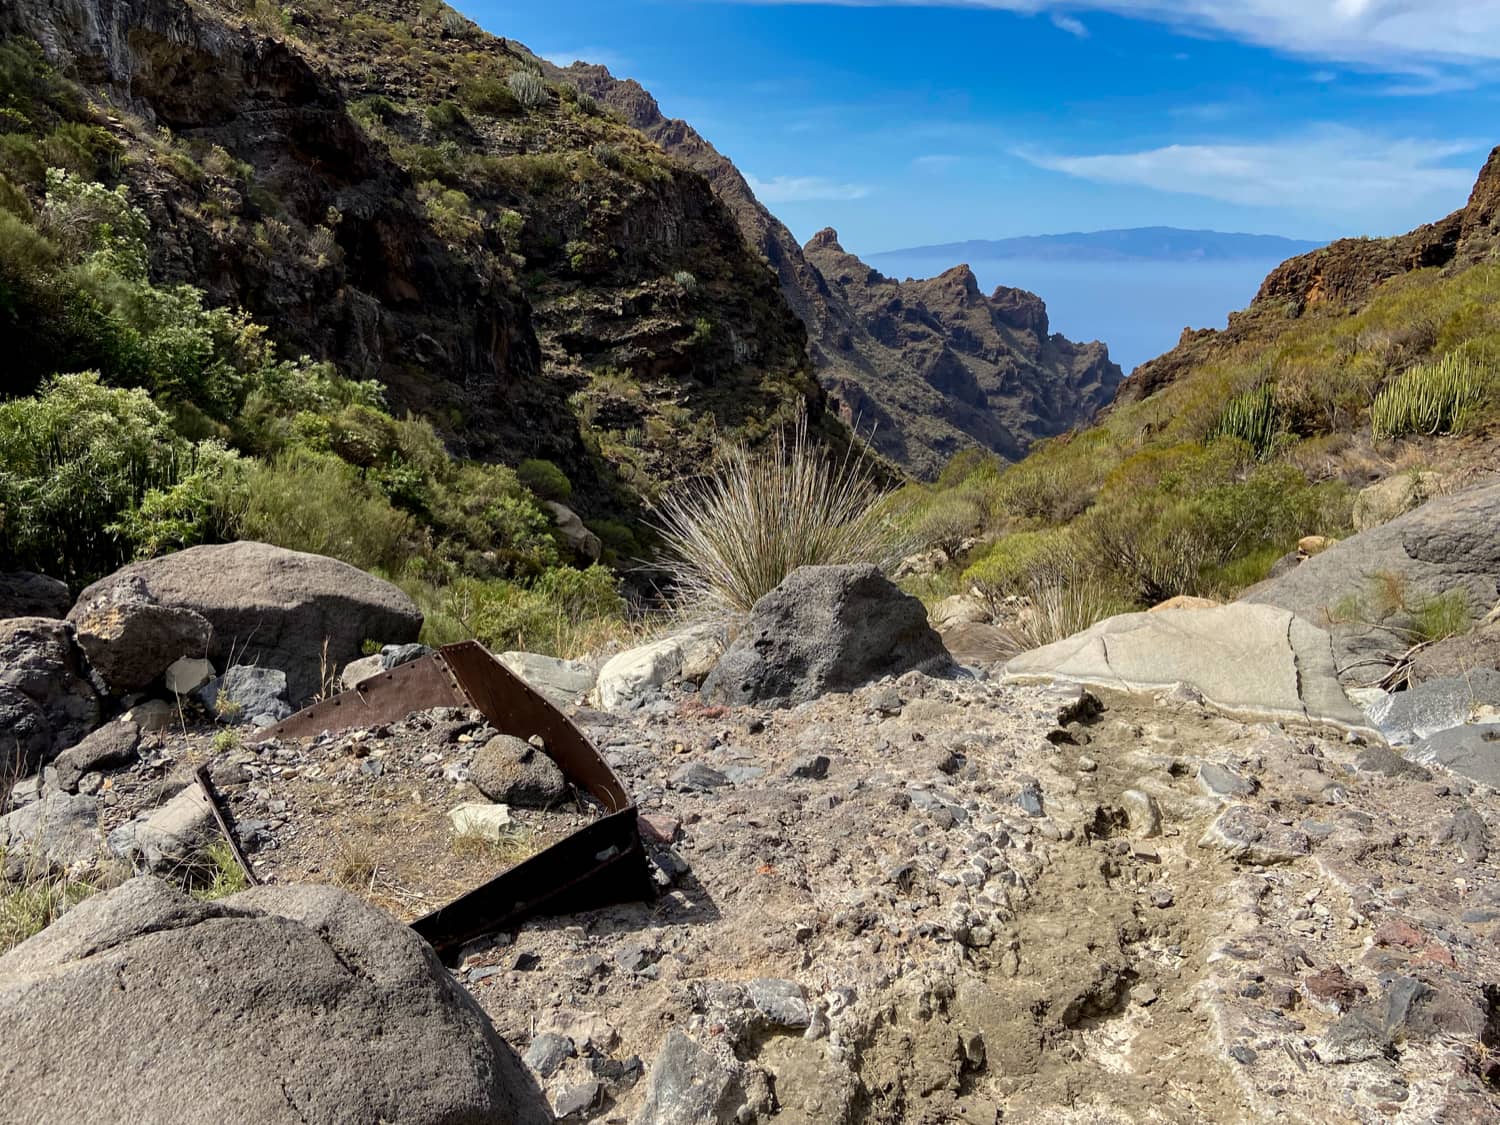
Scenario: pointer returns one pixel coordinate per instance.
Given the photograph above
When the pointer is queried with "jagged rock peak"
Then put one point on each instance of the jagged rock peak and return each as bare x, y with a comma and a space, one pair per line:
826, 239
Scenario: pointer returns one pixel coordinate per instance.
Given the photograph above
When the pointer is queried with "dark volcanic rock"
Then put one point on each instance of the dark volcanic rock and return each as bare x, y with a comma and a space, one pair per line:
280, 1004
24, 594
514, 772
111, 745
39, 659
130, 640
826, 628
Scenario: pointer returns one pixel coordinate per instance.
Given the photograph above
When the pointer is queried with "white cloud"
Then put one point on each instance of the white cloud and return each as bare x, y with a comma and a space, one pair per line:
935, 162
1071, 24
803, 189
1340, 173
1387, 33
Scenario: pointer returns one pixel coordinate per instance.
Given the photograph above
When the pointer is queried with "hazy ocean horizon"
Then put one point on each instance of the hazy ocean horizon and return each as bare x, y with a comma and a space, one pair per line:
1138, 308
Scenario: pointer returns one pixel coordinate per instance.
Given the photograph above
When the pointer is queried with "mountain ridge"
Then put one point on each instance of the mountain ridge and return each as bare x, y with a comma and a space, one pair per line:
896, 389
1156, 243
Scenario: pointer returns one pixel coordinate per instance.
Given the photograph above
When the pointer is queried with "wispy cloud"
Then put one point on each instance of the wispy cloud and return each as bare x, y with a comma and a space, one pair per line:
1392, 34
935, 162
1071, 24
803, 189
1336, 172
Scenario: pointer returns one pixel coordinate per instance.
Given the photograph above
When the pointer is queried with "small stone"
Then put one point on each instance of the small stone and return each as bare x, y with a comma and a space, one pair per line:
1144, 995
1351, 1039
635, 956
514, 772
1221, 781
1242, 1054
659, 828
1161, 897
575, 1098
1087, 764
1030, 798
814, 767
488, 822
187, 674
698, 778
547, 1052
1333, 990
1143, 813
739, 775
781, 1002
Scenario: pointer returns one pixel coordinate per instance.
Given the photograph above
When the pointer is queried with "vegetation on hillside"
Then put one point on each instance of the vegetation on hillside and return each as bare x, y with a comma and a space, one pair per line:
155, 422
1201, 487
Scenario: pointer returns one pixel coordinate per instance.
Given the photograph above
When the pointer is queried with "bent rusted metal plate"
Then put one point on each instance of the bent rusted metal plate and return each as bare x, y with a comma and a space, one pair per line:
602, 863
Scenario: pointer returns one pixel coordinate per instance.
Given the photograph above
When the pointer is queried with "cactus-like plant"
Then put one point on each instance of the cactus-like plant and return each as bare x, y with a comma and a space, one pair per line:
1435, 398
529, 89
1253, 418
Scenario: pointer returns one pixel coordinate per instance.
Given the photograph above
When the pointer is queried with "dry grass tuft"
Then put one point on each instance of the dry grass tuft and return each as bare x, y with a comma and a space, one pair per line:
735, 534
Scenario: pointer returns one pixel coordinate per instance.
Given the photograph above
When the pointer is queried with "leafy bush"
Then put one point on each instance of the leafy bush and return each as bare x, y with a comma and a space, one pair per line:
1006, 568
528, 89
449, 121
73, 461
489, 96
545, 479
315, 502
1438, 398
735, 534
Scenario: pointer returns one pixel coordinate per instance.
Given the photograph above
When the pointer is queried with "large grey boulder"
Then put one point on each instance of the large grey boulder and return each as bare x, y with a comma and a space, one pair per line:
1405, 717
1248, 660
279, 1004
55, 835
277, 608
245, 694
1364, 589
825, 629
130, 639
1469, 751
23, 594
583, 542
39, 659
25, 733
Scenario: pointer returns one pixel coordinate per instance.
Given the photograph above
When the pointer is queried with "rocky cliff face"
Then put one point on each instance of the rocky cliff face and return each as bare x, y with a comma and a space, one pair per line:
1340, 276
528, 271
944, 370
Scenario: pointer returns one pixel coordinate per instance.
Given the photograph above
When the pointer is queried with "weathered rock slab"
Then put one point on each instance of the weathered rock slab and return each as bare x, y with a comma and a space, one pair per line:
1469, 751
1407, 717
1248, 660
561, 681
57, 834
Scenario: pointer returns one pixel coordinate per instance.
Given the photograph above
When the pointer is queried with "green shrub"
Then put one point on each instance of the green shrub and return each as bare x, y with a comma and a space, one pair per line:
1438, 398
528, 89
377, 107
1446, 615
735, 534
545, 479
488, 96
1007, 567
448, 120
74, 460
316, 503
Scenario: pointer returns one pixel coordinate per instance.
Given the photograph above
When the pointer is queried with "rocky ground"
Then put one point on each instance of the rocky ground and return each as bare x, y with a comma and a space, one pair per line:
933, 901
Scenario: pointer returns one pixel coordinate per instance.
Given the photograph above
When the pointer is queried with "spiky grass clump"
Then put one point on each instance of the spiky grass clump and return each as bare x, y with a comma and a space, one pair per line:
735, 534
529, 89
1251, 417
1436, 398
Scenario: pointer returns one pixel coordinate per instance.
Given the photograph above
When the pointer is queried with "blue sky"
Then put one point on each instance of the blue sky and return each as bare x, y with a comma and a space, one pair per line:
905, 123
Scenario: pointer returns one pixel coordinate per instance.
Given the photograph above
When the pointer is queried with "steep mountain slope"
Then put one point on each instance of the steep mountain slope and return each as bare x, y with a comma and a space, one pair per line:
1335, 280
1361, 360
905, 383
392, 189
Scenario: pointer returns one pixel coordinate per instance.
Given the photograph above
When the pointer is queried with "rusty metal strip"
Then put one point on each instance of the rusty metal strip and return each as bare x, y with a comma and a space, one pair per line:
205, 783
602, 863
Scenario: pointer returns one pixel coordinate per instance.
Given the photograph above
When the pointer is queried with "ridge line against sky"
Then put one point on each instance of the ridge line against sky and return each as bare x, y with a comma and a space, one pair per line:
1001, 118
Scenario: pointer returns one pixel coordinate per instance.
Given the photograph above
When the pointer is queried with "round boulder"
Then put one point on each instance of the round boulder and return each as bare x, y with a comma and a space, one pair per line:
514, 772
305, 614
825, 629
279, 1004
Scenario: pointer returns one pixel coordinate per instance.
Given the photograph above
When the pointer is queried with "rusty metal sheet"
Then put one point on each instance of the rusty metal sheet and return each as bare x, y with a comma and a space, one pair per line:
602, 863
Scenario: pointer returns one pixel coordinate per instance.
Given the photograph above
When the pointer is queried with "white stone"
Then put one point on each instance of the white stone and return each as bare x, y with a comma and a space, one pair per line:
629, 675
483, 820
154, 714
561, 681
187, 674
358, 671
